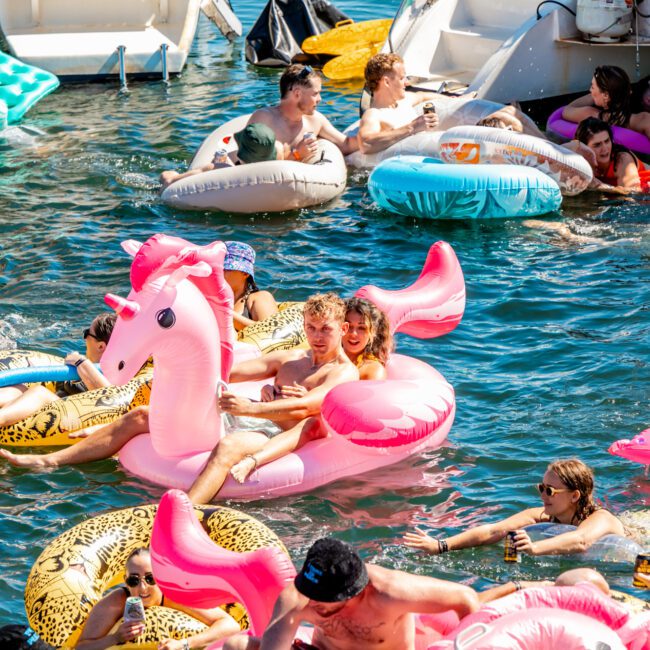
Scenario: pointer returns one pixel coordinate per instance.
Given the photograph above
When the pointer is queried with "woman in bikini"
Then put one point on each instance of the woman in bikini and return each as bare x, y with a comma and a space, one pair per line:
566, 491
609, 99
98, 632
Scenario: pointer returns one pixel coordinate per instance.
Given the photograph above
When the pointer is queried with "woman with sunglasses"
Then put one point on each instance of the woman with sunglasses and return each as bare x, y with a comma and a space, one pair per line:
18, 402
567, 496
140, 581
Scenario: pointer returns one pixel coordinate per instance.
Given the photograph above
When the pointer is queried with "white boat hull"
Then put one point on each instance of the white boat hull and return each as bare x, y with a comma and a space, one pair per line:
501, 51
81, 39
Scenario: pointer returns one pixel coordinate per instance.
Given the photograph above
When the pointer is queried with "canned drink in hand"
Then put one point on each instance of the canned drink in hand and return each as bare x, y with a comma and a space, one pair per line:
428, 107
510, 552
220, 157
134, 609
308, 135
642, 565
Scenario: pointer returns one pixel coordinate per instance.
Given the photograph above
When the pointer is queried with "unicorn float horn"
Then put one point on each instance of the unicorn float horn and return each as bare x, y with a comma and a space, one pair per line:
124, 308
433, 305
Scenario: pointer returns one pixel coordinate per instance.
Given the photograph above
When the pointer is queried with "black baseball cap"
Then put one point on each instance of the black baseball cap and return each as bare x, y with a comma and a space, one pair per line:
333, 571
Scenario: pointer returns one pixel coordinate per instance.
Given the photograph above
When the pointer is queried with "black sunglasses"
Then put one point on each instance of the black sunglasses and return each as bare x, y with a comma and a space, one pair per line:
134, 580
305, 72
87, 333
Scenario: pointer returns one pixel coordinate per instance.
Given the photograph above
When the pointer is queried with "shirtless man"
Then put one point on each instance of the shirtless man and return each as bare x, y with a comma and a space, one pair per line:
284, 402
392, 115
296, 114
353, 605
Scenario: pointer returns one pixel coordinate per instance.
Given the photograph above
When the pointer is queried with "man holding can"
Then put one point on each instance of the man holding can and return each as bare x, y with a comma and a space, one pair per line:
394, 114
296, 122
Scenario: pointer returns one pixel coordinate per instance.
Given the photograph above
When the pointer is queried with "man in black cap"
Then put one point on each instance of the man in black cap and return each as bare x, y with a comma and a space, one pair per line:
354, 606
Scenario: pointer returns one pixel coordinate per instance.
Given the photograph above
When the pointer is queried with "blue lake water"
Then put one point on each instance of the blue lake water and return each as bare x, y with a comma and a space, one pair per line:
550, 360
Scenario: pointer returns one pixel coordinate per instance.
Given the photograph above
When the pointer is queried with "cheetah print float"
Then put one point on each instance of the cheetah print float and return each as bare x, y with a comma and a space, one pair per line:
77, 567
52, 424
282, 331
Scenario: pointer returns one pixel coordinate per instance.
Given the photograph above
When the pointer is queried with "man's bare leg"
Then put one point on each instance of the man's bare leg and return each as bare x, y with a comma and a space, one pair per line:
227, 453
34, 398
102, 444
10, 393
281, 445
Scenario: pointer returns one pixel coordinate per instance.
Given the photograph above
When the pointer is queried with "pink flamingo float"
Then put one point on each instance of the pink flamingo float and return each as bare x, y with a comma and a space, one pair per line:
637, 449
179, 312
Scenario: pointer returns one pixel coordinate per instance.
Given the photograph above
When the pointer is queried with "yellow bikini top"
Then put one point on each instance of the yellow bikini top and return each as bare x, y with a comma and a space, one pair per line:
363, 358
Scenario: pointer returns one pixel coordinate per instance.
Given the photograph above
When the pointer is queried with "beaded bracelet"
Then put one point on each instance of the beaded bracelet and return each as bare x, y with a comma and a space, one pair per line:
442, 546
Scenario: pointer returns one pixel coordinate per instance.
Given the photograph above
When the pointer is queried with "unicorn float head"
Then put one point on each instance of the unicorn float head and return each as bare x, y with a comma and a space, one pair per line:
178, 312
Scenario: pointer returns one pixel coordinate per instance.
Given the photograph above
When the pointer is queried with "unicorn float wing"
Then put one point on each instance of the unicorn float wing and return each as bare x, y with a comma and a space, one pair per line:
433, 305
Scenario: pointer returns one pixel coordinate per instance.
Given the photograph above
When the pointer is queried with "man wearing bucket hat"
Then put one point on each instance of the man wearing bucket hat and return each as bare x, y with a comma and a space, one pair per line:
354, 605
256, 143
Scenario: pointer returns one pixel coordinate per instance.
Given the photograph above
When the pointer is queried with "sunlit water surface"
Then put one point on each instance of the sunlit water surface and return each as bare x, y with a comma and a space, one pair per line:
550, 360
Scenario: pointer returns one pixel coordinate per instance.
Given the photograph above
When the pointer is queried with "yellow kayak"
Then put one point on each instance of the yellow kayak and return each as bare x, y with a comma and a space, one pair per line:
349, 36
351, 65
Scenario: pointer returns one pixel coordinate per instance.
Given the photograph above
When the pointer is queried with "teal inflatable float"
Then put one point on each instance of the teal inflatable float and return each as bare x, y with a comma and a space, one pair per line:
425, 187
21, 86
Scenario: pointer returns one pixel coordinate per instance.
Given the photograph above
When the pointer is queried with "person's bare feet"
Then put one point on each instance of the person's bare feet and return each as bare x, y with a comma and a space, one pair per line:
241, 470
168, 177
30, 461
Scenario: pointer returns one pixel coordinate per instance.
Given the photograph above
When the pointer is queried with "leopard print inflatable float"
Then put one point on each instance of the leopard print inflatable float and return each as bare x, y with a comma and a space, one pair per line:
52, 424
282, 331
76, 568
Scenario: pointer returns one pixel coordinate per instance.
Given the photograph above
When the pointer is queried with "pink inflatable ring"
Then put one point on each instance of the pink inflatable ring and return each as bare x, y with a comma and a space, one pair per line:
633, 140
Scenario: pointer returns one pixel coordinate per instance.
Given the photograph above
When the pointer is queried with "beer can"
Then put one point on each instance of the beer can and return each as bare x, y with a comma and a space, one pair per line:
428, 107
220, 156
510, 552
308, 134
642, 565
134, 609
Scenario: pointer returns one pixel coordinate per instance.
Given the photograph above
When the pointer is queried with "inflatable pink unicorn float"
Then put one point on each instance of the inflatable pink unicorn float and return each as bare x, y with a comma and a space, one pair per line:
637, 449
178, 312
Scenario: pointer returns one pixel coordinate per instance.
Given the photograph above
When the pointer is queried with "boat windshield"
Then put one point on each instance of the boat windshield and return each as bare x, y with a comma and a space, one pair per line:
407, 14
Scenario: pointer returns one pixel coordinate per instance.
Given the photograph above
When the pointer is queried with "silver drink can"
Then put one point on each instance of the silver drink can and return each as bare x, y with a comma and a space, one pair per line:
134, 609
308, 135
220, 156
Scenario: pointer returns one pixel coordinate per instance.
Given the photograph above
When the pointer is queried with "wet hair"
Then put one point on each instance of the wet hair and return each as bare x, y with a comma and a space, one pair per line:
614, 81
21, 637
104, 324
577, 476
295, 75
493, 122
141, 550
591, 126
325, 305
380, 342
378, 66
